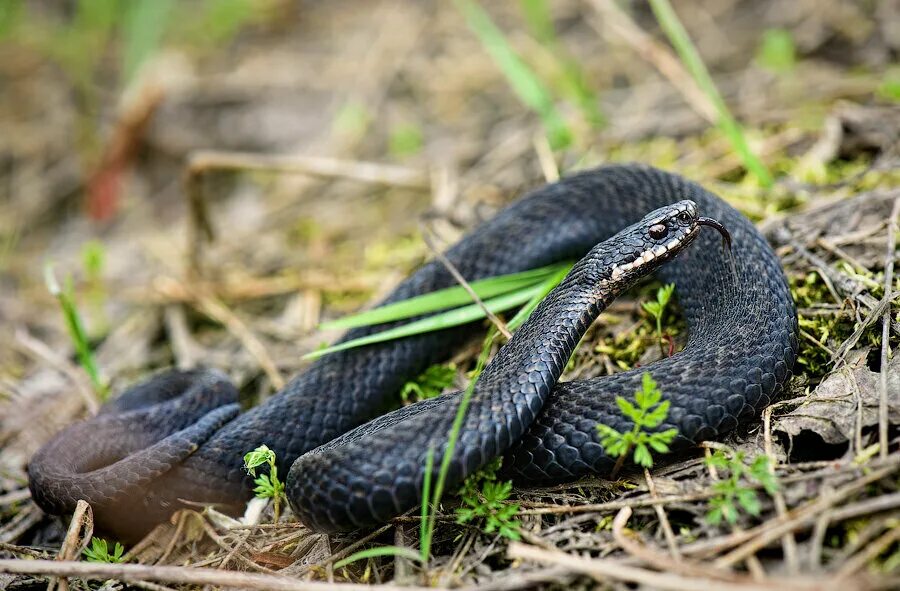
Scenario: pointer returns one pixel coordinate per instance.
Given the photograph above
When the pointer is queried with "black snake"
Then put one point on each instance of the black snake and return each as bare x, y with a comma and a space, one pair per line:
181, 436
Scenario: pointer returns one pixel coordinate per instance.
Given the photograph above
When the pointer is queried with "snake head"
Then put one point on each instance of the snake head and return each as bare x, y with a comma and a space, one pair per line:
643, 247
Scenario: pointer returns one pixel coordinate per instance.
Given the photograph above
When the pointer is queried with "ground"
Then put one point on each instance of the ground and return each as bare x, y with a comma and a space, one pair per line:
265, 166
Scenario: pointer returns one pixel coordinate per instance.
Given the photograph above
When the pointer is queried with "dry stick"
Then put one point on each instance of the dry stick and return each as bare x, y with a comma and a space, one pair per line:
885, 331
545, 157
788, 542
183, 575
38, 349
663, 519
802, 516
73, 544
662, 58
451, 268
660, 560
859, 561
219, 312
604, 569
201, 162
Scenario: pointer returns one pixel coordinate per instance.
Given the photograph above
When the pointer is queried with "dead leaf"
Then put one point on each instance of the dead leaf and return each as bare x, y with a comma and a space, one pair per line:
833, 410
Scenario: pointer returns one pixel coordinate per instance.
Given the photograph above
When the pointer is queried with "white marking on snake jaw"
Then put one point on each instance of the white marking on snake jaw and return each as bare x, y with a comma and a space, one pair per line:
659, 250
616, 273
647, 256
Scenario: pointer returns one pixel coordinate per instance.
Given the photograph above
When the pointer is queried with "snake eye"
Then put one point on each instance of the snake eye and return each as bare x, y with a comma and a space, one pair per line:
658, 231
683, 217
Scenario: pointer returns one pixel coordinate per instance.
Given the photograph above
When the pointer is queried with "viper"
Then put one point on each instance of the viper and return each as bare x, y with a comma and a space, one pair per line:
181, 435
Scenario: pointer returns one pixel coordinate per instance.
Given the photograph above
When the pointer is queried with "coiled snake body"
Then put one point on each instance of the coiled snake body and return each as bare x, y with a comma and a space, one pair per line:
180, 436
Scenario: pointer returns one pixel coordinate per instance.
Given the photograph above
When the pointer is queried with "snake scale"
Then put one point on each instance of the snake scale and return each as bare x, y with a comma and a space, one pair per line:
181, 435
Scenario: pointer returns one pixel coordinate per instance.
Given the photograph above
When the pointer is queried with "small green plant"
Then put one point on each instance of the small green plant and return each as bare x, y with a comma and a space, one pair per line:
489, 503
657, 309
405, 140
647, 412
431, 383
268, 486
99, 551
732, 492
66, 298
776, 51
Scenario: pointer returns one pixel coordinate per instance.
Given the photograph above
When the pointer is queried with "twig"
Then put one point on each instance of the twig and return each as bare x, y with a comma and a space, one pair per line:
886, 330
788, 542
618, 21
183, 575
663, 519
451, 268
605, 569
75, 543
859, 561
219, 312
660, 560
41, 351
764, 535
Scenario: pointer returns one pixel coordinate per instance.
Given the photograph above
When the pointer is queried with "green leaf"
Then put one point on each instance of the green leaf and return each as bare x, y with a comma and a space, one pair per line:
408, 553
628, 409
259, 456
144, 24
655, 417
642, 456
714, 517
444, 299
749, 501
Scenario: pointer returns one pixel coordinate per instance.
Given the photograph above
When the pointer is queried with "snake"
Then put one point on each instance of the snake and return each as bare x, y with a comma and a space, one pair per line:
351, 462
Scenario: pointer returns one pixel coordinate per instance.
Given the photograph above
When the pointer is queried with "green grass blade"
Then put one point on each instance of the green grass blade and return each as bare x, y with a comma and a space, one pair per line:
443, 299
521, 78
379, 551
448, 319
76, 329
424, 539
454, 433
673, 28
540, 293
144, 24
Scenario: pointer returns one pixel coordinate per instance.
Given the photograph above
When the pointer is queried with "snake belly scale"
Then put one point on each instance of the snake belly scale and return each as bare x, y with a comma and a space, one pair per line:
181, 436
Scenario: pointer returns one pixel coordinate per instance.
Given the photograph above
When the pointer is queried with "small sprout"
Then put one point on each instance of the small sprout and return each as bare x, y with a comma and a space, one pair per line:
733, 493
66, 298
405, 140
99, 551
657, 309
490, 503
431, 383
268, 486
777, 52
648, 412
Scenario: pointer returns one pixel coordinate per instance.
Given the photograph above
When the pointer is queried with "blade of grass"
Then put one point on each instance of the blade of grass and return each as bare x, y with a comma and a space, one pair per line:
75, 326
443, 299
679, 38
379, 551
455, 317
571, 79
521, 78
452, 439
424, 539
539, 294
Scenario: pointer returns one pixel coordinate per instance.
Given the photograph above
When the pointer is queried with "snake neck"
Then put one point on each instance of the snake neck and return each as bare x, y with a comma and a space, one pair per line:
534, 358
